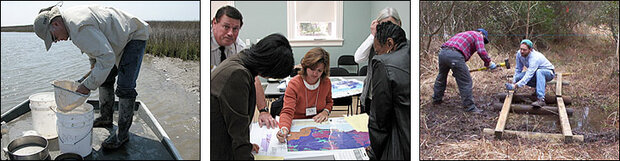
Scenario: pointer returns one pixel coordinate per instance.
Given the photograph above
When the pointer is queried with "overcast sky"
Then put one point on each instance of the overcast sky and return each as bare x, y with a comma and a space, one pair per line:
23, 13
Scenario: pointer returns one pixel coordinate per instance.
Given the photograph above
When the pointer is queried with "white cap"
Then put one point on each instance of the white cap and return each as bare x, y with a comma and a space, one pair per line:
42, 24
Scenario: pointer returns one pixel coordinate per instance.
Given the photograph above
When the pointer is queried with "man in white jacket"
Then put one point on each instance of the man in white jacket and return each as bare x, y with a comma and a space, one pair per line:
365, 52
114, 42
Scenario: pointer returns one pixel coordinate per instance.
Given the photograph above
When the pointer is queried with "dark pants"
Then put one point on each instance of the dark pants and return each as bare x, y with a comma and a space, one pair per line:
455, 61
127, 70
127, 73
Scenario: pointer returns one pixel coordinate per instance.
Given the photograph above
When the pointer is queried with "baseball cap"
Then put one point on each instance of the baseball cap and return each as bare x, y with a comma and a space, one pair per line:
42, 24
528, 43
486, 35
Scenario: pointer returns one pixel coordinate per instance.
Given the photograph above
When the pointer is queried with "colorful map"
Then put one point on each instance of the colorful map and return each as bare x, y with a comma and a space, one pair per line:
345, 85
334, 134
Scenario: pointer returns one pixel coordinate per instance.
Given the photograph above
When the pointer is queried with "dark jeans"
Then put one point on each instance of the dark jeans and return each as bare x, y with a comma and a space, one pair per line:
455, 61
127, 70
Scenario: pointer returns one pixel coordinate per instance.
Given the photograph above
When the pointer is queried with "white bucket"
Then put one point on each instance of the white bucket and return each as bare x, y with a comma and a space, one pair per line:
43, 118
75, 130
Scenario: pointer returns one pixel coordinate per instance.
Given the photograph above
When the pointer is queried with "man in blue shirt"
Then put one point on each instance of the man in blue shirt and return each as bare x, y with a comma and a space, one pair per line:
539, 71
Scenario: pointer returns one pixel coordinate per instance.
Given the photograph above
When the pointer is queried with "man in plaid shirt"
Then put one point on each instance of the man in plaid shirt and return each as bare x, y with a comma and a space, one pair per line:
453, 56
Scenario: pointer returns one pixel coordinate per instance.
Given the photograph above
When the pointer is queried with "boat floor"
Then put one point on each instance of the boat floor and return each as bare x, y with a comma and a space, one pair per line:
143, 144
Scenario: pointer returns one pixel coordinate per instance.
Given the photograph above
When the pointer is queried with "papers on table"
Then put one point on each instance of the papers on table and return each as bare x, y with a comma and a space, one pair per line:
359, 122
263, 157
340, 154
267, 141
352, 154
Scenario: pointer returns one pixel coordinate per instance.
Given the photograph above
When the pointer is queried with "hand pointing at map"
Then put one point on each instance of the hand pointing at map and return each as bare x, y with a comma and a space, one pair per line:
282, 134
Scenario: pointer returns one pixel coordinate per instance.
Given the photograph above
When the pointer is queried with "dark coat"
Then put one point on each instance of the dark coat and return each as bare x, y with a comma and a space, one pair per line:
389, 121
233, 98
365, 96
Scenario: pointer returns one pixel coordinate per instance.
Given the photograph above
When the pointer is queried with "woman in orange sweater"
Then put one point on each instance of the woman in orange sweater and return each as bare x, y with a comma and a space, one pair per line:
309, 94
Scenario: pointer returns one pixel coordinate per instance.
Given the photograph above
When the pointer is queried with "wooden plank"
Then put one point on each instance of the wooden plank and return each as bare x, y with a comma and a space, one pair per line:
558, 86
564, 83
503, 115
566, 130
528, 99
529, 109
533, 135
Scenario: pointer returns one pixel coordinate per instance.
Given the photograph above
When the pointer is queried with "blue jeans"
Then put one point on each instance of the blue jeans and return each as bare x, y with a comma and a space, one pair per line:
127, 70
538, 81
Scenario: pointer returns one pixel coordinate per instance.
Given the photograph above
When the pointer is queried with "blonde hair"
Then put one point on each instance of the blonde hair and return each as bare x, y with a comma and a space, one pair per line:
312, 59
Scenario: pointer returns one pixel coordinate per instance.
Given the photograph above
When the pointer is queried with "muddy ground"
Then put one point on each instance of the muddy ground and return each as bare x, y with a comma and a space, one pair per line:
170, 88
184, 73
447, 132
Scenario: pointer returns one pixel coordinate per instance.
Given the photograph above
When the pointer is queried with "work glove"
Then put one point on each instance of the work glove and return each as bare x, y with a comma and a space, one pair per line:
492, 66
510, 86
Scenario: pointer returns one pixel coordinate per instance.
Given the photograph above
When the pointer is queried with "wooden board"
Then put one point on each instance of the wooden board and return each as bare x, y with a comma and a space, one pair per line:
566, 130
503, 115
558, 86
529, 109
564, 83
533, 135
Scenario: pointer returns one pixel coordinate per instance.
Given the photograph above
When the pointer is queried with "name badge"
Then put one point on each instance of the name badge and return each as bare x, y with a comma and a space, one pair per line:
310, 111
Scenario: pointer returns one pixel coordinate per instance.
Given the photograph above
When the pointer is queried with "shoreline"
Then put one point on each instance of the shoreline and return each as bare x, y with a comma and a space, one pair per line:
185, 73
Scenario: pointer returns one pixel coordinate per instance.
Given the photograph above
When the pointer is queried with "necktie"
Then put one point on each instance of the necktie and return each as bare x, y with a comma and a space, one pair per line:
222, 54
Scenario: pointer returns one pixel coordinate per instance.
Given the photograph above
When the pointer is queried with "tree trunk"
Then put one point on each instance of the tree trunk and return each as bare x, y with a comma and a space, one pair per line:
526, 98
527, 24
430, 38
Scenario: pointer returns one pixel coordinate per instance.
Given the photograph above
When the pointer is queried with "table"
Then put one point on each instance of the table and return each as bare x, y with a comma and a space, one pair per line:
269, 145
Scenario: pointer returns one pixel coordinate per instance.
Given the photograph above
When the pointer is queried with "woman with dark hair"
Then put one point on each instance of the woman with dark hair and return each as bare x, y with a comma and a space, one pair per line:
233, 94
365, 51
308, 94
389, 120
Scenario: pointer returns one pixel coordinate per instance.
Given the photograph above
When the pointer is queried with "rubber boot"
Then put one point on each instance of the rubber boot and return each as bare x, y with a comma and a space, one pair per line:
125, 118
106, 102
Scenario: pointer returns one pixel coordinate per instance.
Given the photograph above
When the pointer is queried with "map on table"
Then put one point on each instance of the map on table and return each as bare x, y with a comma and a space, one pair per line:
306, 135
345, 87
349, 84
341, 87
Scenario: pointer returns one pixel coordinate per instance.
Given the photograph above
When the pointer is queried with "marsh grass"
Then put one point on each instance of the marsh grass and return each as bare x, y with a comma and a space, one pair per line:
179, 39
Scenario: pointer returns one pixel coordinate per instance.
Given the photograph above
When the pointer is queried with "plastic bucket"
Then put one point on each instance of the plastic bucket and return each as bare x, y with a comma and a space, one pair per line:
75, 130
43, 118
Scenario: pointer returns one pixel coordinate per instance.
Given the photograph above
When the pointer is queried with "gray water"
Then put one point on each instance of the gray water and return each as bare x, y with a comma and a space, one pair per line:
28, 69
